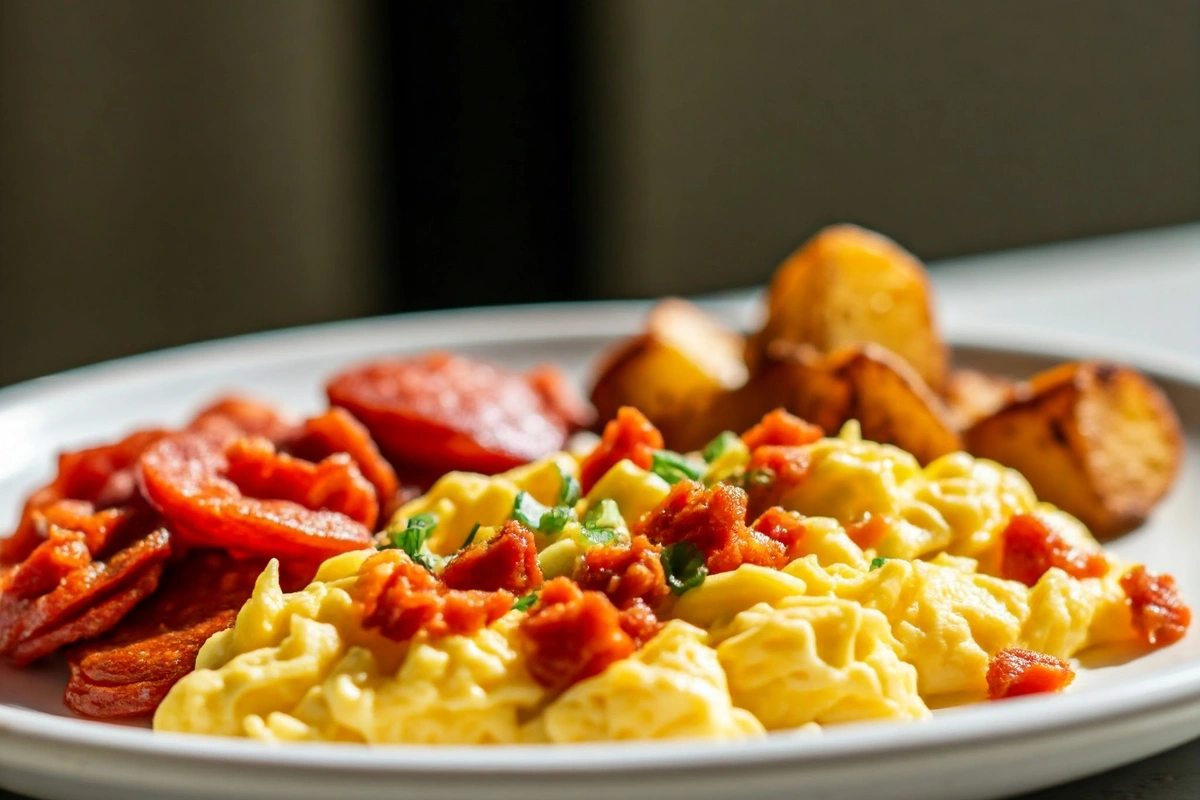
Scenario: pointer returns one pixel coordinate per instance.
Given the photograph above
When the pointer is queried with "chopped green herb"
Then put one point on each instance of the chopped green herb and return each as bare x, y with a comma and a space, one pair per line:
524, 603
412, 538
471, 536
876, 563
599, 536
673, 467
555, 519
537, 517
571, 490
605, 514
527, 511
718, 446
683, 566
601, 522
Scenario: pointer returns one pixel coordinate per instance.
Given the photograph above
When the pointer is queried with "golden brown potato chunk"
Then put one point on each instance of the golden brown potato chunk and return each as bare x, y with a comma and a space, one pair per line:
1098, 440
972, 395
893, 405
674, 370
846, 287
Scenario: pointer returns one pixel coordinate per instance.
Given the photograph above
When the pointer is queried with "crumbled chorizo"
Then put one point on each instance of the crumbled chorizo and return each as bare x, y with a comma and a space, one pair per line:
447, 412
401, 598
183, 477
1013, 672
570, 634
781, 428
508, 561
334, 484
772, 472
1029, 547
626, 575
1159, 614
714, 521
630, 436
785, 527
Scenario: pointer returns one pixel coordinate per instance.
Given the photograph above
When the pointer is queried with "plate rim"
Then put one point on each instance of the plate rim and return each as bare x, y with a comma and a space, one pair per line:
963, 727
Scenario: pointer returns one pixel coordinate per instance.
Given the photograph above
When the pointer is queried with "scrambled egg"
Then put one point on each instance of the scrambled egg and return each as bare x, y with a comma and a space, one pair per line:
856, 627
672, 688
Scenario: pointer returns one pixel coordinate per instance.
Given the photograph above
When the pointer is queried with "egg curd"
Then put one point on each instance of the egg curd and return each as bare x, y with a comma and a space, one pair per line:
891, 604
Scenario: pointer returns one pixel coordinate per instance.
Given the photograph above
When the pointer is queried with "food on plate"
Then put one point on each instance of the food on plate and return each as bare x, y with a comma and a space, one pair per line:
673, 371
1095, 438
972, 395
850, 333
847, 287
443, 411
892, 404
779, 579
821, 526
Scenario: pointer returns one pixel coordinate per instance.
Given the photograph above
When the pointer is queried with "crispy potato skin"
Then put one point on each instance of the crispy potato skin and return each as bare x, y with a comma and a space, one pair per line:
893, 405
972, 395
846, 287
851, 334
673, 372
1098, 440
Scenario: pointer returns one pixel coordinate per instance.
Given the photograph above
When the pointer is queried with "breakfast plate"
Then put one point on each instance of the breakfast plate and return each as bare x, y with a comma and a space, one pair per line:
1117, 711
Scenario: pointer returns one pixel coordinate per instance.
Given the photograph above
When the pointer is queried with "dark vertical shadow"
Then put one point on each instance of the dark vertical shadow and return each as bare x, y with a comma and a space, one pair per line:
476, 130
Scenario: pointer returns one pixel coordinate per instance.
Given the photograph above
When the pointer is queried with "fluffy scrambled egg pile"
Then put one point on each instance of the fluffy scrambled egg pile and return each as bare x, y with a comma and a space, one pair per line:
890, 602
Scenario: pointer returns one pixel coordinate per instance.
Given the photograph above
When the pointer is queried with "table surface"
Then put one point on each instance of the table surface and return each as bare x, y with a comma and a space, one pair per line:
1140, 287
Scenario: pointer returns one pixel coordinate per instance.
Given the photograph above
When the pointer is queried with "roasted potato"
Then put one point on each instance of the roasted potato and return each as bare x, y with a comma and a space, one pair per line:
868, 383
1098, 440
846, 287
672, 371
972, 395
893, 405
794, 377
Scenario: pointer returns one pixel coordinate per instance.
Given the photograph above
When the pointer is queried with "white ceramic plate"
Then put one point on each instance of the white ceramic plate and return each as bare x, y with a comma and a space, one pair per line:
1113, 715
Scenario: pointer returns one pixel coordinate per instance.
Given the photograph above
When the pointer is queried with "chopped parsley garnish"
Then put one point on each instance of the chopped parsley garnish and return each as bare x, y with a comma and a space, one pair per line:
537, 517
673, 467
524, 603
471, 536
720, 445
876, 563
601, 522
571, 490
555, 519
527, 511
412, 538
683, 566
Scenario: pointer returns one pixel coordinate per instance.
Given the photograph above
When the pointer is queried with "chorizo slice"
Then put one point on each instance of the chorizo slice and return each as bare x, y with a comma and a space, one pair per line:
129, 670
236, 415
183, 478
448, 412
103, 476
337, 431
85, 601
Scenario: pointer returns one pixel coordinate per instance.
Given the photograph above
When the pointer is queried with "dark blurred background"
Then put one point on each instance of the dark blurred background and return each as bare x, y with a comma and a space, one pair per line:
174, 171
